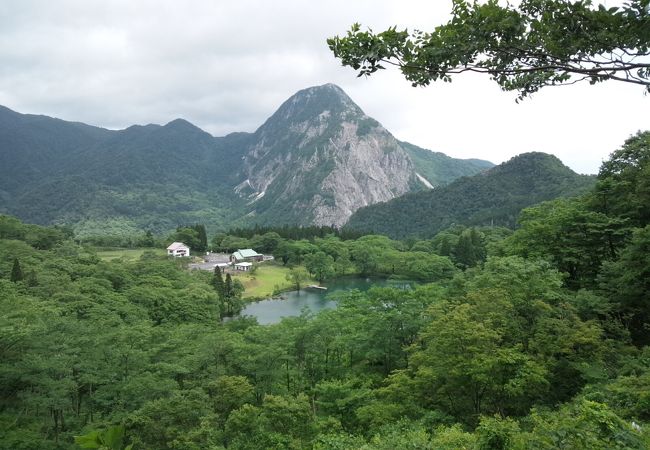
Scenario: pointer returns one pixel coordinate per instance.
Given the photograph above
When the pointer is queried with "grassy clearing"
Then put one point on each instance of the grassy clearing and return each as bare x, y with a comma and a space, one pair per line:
130, 254
263, 283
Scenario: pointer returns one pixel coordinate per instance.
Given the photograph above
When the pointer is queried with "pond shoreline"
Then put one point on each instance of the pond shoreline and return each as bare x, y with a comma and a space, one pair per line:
278, 294
291, 303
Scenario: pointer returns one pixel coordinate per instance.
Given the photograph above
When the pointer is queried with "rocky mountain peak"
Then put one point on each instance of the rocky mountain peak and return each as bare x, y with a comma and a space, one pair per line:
314, 104
322, 158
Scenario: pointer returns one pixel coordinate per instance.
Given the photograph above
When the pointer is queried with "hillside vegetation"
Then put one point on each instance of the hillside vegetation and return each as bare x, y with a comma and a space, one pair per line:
492, 198
440, 169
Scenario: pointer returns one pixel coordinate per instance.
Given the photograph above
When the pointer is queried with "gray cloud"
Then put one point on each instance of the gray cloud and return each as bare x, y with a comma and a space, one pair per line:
226, 66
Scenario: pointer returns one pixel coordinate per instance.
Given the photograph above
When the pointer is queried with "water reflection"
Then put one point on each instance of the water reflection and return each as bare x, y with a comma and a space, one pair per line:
292, 303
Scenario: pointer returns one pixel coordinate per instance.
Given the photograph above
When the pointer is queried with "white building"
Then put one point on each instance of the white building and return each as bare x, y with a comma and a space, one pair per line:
178, 249
244, 266
222, 266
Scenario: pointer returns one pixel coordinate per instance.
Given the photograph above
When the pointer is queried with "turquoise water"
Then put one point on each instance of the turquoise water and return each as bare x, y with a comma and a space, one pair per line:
292, 303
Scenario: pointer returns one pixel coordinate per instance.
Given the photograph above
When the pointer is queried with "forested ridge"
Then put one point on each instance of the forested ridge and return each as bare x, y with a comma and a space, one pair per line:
532, 339
493, 197
440, 169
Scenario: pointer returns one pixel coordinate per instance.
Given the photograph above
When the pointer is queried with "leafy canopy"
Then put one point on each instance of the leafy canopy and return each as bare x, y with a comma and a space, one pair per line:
523, 48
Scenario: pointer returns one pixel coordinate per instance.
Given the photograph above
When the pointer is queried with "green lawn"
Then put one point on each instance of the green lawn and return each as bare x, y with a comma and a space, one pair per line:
265, 281
130, 254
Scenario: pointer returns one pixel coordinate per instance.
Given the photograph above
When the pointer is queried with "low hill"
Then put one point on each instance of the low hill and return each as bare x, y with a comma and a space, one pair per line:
493, 197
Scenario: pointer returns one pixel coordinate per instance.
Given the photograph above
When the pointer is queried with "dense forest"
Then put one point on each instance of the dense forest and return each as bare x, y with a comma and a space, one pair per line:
494, 197
532, 339
158, 175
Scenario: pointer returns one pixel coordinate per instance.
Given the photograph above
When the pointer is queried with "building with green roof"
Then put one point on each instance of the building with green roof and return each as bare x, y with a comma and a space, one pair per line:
247, 254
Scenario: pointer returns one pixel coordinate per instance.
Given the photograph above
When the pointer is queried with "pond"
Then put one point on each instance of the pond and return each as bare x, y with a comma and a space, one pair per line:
291, 303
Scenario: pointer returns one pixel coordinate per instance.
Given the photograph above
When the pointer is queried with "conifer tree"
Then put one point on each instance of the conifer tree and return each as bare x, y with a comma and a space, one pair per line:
203, 236
16, 272
228, 291
445, 247
218, 283
228, 294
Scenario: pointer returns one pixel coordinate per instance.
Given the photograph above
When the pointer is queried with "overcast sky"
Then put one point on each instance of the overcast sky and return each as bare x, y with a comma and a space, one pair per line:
227, 65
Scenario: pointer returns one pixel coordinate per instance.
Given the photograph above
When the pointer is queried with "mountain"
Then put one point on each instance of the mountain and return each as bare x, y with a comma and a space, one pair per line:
316, 160
439, 169
493, 197
319, 158
114, 182
34, 146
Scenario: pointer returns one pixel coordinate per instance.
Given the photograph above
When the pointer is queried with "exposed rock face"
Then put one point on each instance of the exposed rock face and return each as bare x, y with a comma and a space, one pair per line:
319, 158
373, 170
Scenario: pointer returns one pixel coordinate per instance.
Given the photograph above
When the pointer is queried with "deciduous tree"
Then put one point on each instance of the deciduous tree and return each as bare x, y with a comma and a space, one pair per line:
522, 46
320, 265
623, 187
297, 276
627, 283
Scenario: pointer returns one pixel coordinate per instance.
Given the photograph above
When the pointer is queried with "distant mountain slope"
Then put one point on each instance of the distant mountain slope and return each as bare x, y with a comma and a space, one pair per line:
492, 197
34, 147
315, 161
439, 169
144, 177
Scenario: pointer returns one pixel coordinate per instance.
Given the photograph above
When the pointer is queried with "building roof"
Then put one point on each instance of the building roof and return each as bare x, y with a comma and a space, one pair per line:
245, 253
177, 246
244, 264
